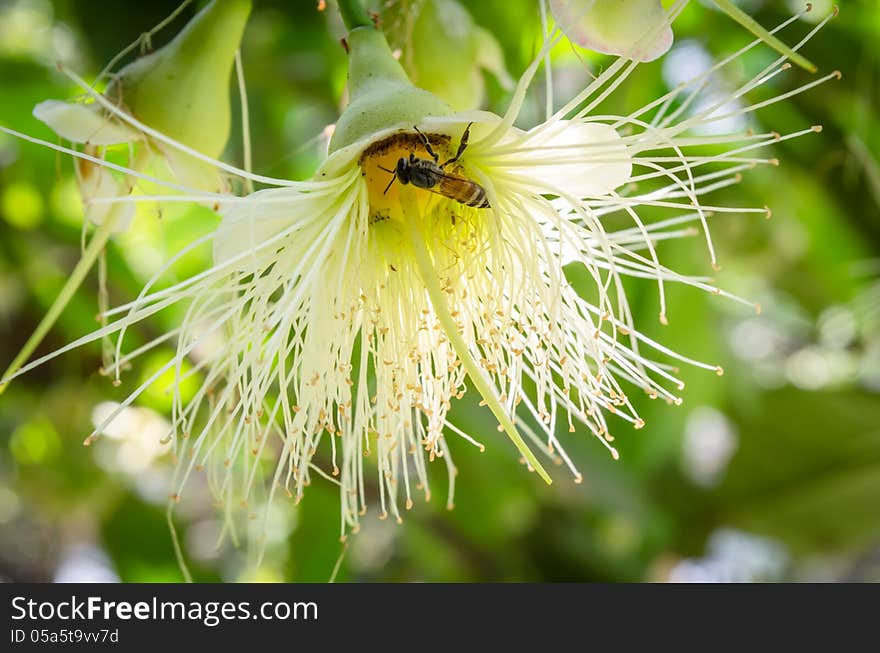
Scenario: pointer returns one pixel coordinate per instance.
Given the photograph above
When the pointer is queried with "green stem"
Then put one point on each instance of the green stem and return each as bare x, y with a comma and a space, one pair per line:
90, 255
175, 540
450, 328
354, 14
86, 261
755, 28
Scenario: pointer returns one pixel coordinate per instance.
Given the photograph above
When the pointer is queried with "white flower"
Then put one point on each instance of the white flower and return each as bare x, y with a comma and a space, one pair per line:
354, 309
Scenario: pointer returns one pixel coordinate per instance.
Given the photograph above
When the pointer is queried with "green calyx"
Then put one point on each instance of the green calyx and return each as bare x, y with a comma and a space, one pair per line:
382, 95
182, 89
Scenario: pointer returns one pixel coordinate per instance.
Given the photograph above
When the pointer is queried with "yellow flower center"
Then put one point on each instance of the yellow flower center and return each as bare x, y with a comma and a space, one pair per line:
382, 156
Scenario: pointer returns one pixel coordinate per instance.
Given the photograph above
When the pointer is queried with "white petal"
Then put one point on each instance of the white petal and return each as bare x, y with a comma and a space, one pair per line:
83, 123
619, 27
248, 224
584, 159
97, 182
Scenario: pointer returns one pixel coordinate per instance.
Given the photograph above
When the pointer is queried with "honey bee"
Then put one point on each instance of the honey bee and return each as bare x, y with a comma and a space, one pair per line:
432, 176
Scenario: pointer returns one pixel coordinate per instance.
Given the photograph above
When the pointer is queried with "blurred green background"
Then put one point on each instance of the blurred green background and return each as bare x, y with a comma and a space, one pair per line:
771, 472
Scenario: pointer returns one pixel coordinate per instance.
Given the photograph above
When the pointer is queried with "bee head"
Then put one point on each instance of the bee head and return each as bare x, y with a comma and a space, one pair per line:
403, 168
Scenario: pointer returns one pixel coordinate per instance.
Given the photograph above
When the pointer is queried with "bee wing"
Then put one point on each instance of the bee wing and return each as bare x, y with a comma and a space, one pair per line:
459, 188
451, 185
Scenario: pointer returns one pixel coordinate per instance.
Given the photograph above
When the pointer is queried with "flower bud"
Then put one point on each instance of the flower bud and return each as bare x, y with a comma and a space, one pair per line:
637, 29
445, 52
182, 89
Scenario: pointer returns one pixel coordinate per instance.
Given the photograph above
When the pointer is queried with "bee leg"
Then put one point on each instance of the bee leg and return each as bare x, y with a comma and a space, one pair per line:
427, 144
461, 146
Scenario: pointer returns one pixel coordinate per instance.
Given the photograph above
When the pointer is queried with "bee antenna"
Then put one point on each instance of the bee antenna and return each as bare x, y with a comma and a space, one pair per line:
389, 183
386, 169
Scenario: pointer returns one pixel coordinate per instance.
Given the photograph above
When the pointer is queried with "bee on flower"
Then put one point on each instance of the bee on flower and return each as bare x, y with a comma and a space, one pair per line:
427, 257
